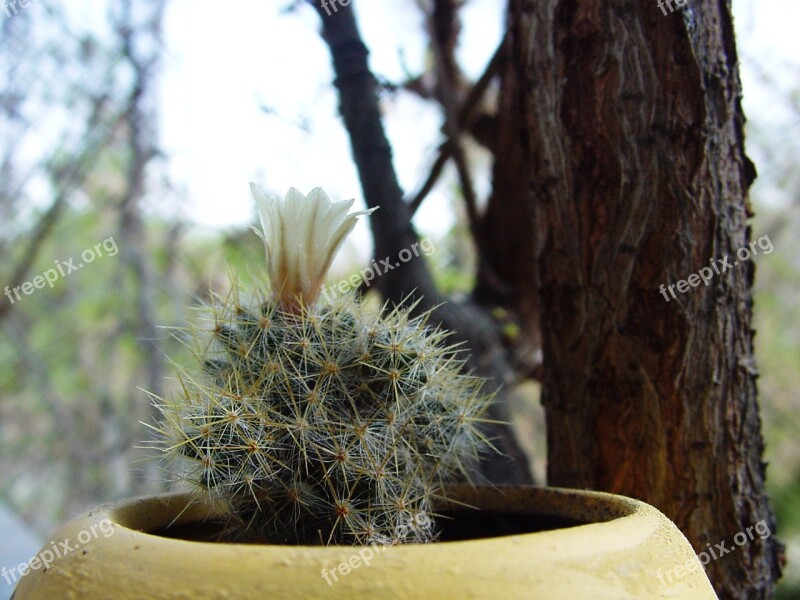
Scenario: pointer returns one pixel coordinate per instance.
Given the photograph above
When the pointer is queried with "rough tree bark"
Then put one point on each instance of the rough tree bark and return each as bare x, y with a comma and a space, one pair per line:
639, 178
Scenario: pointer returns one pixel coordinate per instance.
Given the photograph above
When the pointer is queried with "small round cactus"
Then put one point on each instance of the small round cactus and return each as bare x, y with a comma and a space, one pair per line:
319, 422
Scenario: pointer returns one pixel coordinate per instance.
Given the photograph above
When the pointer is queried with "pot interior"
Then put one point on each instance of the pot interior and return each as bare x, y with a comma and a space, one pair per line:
473, 513
453, 526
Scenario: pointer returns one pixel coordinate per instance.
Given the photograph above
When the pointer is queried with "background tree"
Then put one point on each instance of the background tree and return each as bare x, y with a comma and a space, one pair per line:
82, 97
636, 175
640, 180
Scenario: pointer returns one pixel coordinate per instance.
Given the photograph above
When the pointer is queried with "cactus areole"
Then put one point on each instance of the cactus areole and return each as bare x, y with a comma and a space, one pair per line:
319, 422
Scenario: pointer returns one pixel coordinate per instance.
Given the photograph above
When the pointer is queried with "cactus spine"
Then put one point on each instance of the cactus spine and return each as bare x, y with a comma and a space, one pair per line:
317, 422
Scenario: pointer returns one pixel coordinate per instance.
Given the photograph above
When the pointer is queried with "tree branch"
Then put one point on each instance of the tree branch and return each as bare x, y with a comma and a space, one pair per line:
391, 225
466, 117
393, 232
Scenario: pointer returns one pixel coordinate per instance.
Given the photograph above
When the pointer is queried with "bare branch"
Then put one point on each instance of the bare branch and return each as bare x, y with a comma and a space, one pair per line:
372, 154
467, 115
393, 232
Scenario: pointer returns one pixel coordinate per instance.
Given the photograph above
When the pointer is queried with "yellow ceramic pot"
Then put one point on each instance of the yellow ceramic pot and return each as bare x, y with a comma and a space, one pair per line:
524, 543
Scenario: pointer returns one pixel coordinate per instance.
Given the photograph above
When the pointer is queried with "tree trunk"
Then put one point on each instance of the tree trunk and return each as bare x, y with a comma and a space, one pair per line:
393, 232
639, 178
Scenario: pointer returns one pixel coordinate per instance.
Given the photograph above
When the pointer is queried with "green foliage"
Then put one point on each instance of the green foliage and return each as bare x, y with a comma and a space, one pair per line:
777, 323
326, 426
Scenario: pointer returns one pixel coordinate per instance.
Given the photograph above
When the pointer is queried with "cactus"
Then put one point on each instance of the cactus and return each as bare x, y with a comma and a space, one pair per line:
320, 422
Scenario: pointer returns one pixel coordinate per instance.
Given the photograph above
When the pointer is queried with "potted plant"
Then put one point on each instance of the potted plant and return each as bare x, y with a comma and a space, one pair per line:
322, 442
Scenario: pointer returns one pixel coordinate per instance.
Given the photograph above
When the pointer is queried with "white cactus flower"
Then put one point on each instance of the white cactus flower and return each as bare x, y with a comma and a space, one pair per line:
301, 236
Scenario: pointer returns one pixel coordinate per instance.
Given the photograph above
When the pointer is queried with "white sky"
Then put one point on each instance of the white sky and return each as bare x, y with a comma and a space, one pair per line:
220, 69
768, 47
222, 66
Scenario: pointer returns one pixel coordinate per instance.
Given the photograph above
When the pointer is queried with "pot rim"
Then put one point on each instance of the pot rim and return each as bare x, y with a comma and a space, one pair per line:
150, 515
616, 554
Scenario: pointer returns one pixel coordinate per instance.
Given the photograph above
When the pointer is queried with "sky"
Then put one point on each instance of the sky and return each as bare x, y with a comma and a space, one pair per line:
769, 54
246, 95
250, 98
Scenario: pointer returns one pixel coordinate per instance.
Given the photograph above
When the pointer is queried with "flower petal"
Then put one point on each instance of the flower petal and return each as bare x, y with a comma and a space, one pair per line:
301, 236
